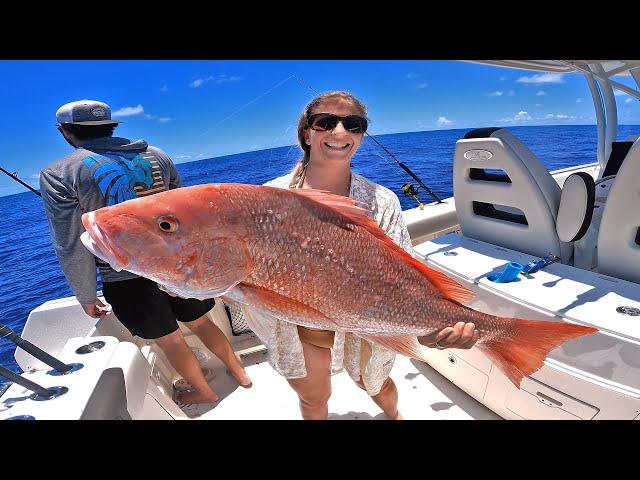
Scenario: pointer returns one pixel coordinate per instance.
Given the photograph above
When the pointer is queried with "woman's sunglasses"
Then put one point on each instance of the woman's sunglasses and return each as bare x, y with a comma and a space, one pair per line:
329, 121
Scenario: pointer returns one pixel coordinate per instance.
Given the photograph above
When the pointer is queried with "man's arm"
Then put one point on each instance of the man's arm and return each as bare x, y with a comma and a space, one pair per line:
64, 217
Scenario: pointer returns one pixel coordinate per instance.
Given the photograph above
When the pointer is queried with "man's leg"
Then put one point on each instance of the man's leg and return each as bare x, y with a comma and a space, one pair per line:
147, 312
185, 362
216, 341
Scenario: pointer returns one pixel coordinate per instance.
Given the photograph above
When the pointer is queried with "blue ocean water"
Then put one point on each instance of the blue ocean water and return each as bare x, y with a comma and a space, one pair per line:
30, 274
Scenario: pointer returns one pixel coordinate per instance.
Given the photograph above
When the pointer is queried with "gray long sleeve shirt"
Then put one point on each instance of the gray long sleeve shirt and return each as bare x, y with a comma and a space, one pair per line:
97, 174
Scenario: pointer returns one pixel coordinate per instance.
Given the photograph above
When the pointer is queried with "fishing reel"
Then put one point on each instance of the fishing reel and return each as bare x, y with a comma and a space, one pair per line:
411, 191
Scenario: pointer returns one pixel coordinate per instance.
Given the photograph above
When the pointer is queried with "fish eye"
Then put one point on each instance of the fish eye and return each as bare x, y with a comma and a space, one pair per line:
168, 223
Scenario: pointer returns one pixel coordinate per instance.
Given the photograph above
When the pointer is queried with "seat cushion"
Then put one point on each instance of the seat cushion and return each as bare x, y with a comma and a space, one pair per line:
576, 207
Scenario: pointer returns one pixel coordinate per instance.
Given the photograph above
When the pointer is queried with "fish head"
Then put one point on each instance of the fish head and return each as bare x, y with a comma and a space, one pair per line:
185, 239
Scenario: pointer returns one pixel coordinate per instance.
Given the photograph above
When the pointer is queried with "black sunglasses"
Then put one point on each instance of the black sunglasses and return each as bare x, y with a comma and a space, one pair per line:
329, 121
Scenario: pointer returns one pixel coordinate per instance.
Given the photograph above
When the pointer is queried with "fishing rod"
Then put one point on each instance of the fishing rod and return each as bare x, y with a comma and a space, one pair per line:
60, 367
25, 382
13, 175
407, 189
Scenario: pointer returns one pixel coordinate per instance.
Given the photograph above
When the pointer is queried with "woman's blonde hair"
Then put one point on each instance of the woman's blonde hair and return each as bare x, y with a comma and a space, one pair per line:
300, 169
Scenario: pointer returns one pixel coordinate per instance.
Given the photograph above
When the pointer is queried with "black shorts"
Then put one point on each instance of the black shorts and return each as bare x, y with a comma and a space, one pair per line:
147, 311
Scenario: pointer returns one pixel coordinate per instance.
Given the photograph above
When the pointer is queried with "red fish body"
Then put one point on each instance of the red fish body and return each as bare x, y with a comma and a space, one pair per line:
306, 257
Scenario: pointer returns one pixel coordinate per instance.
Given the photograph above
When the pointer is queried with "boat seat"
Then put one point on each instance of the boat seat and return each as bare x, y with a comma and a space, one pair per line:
618, 249
504, 194
585, 249
574, 217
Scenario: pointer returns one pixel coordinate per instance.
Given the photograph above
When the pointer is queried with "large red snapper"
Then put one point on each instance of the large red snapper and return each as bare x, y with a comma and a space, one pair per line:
309, 258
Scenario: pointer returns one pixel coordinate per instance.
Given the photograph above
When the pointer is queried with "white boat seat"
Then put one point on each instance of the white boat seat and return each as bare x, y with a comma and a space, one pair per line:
504, 194
619, 233
585, 249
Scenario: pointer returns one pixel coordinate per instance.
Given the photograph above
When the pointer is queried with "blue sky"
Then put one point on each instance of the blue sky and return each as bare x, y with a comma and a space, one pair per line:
202, 109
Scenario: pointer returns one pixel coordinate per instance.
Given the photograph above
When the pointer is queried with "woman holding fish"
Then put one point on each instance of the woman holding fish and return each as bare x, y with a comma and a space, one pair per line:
330, 131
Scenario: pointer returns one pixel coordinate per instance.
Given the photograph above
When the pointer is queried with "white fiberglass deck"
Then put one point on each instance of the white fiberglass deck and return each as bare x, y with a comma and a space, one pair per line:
423, 394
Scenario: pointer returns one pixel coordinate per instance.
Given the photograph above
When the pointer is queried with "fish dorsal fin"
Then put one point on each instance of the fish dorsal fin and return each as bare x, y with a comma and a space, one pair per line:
349, 207
357, 213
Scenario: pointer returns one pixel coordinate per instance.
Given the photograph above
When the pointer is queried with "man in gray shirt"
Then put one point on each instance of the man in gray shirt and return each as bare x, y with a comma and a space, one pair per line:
105, 170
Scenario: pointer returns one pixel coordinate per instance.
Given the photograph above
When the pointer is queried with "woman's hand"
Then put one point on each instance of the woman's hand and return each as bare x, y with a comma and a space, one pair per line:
461, 335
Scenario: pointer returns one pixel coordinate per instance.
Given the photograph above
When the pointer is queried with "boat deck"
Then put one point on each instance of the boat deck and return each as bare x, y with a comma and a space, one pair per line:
424, 394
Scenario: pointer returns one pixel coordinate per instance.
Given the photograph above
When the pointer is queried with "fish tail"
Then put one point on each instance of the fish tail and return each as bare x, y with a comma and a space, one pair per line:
527, 344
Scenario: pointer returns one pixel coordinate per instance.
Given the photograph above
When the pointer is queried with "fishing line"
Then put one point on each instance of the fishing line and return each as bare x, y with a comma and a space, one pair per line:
281, 82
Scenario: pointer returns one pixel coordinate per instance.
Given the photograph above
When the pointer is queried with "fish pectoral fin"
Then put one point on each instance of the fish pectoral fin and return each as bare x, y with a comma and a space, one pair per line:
406, 345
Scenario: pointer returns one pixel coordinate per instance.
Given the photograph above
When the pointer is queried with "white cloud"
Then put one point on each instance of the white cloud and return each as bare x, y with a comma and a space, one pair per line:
411, 76
225, 78
511, 93
503, 78
558, 116
543, 78
423, 85
497, 93
183, 157
129, 111
541, 93
538, 104
628, 100
165, 88
578, 100
443, 121
156, 117
222, 78
521, 116
138, 110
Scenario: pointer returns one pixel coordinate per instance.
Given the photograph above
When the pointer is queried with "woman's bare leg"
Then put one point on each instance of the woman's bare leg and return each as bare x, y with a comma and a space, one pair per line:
387, 399
314, 390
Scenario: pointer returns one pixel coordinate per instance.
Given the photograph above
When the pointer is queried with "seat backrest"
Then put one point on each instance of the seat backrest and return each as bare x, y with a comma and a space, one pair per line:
619, 235
504, 194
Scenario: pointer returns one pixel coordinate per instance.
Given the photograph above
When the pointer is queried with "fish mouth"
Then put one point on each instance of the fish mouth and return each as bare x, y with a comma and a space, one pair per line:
95, 241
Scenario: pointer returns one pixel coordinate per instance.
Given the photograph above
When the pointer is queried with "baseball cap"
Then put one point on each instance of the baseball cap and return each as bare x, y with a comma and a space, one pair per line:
85, 112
